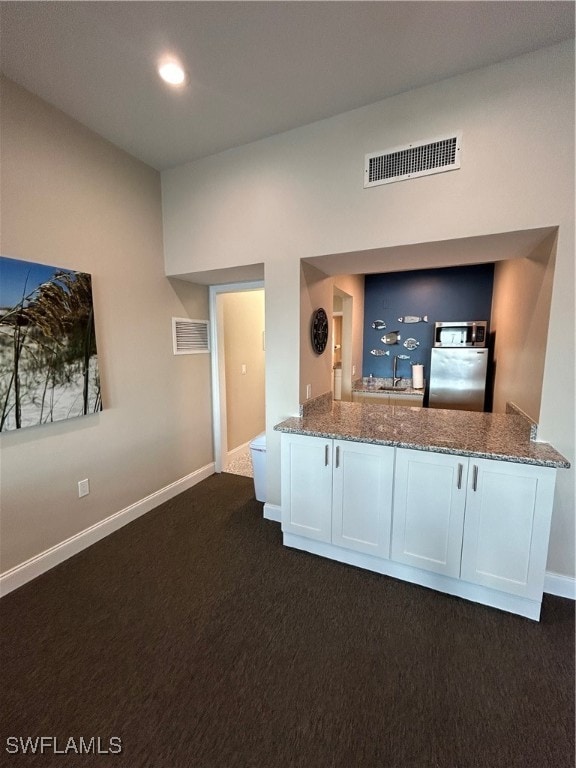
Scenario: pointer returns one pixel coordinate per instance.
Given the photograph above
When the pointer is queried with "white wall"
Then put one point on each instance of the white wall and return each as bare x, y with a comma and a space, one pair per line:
71, 199
243, 325
300, 195
520, 317
315, 370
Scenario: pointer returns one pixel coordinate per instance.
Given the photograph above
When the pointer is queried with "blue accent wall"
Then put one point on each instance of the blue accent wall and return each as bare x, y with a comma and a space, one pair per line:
454, 293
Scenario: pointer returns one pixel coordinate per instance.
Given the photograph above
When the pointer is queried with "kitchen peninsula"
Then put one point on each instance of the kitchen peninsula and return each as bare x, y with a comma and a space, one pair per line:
457, 501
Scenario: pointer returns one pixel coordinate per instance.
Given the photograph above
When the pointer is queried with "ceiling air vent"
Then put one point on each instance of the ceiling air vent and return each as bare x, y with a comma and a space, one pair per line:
189, 336
421, 158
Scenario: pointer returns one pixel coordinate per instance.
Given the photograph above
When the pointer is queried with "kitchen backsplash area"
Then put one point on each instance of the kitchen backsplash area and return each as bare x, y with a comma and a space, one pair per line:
409, 303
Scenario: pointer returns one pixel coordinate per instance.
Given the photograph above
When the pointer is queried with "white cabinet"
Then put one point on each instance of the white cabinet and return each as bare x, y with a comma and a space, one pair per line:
338, 491
406, 401
307, 486
386, 398
475, 528
508, 509
429, 499
337, 384
362, 497
372, 398
486, 522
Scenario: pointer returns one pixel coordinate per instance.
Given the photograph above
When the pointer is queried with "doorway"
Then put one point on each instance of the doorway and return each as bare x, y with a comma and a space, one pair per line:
343, 370
238, 372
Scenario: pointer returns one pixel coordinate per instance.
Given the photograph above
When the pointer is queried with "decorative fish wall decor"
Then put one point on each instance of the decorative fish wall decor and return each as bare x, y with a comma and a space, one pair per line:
379, 325
411, 343
391, 338
413, 319
379, 352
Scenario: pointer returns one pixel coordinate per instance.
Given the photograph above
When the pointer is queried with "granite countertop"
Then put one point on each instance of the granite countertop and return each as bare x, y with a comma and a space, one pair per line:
361, 385
501, 436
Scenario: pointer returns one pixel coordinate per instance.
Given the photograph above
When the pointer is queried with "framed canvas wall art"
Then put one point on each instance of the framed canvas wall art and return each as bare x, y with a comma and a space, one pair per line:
48, 357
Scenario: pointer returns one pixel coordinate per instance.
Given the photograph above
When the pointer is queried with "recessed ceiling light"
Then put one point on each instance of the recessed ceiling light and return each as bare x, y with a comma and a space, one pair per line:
172, 73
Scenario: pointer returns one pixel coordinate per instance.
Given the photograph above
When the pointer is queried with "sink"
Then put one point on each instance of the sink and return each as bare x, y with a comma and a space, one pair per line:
392, 389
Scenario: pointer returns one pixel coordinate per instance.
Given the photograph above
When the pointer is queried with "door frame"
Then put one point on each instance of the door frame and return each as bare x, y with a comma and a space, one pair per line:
218, 372
347, 341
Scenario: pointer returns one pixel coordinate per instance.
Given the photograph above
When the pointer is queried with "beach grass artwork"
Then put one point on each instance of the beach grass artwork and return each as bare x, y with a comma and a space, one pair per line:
48, 357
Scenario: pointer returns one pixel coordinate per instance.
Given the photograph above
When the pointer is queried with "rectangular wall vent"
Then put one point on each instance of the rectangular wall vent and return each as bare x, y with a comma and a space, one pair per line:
421, 158
189, 336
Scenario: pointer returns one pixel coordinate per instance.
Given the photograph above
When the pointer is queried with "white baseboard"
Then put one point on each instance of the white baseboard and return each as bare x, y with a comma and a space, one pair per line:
231, 455
273, 512
561, 586
554, 583
522, 606
41, 563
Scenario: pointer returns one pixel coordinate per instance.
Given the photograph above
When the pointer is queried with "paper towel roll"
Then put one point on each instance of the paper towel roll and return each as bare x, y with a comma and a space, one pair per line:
418, 376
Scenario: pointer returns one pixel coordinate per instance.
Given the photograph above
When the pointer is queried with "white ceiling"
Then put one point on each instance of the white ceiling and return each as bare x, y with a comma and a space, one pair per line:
256, 68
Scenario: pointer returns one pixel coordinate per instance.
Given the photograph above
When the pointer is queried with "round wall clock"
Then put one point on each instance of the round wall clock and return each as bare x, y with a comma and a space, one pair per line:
319, 330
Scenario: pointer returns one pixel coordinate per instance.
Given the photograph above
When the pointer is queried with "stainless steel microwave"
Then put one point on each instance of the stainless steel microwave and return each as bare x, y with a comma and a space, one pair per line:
461, 334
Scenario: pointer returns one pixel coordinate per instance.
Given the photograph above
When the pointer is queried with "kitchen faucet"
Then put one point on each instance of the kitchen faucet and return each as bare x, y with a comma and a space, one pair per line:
395, 379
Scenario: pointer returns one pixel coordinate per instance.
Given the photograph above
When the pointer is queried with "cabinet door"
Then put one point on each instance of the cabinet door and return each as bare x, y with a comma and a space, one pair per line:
429, 499
371, 398
362, 497
408, 401
507, 525
307, 486
376, 398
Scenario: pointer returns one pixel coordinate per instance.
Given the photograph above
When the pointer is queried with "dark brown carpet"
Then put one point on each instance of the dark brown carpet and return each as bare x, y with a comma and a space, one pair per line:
198, 640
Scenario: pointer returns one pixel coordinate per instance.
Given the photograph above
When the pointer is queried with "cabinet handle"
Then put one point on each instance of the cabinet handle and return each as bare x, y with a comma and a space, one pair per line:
326, 455
475, 478
460, 469
337, 456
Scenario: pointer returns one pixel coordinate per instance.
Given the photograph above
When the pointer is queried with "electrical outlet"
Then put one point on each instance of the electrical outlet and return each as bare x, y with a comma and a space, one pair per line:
83, 488
243, 369
353, 370
308, 391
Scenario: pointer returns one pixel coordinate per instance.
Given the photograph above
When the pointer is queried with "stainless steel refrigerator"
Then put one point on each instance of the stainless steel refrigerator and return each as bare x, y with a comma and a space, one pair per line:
458, 378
